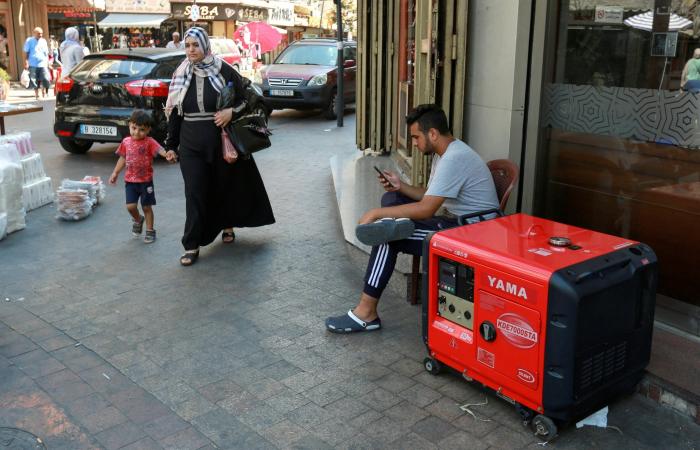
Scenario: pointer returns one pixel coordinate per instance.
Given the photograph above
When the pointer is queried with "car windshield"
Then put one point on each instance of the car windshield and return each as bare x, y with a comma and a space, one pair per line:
321, 55
94, 69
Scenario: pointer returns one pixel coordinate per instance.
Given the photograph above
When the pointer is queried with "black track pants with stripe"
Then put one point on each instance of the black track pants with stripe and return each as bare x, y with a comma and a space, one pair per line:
382, 259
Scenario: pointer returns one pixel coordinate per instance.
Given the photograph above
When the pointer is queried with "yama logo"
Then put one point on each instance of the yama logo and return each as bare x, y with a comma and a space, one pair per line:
517, 330
507, 287
526, 376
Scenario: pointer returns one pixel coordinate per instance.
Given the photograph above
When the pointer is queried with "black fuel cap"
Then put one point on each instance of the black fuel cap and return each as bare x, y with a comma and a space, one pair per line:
487, 331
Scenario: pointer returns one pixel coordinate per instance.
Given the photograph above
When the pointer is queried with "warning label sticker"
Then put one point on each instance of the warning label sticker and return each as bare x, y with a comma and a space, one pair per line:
486, 357
540, 251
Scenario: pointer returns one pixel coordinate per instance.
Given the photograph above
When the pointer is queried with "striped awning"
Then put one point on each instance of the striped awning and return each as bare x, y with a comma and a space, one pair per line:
645, 22
118, 20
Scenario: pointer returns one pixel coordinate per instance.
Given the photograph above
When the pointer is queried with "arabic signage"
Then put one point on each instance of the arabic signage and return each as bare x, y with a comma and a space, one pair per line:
281, 13
137, 6
76, 15
219, 11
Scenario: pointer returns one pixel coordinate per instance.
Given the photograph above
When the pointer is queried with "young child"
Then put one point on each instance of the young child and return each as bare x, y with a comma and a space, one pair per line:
136, 153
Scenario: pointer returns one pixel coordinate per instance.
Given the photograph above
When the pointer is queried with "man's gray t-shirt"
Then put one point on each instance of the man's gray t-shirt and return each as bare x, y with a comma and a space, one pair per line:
463, 179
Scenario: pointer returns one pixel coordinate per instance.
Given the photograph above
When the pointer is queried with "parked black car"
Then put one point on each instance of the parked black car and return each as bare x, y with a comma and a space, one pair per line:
94, 102
304, 76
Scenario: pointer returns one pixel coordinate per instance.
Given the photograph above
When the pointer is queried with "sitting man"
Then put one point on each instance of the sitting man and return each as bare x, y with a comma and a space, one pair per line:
460, 183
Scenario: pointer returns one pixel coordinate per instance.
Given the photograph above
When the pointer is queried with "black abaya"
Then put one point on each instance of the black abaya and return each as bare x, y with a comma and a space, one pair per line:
218, 195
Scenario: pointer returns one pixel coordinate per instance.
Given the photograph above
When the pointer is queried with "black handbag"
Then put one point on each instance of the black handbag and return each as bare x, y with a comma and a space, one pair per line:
249, 134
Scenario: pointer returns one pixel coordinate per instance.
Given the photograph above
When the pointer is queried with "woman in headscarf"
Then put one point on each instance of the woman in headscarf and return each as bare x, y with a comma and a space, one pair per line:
219, 195
70, 51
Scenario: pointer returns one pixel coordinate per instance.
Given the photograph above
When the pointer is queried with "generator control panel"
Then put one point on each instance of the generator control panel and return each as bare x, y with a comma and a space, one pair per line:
456, 292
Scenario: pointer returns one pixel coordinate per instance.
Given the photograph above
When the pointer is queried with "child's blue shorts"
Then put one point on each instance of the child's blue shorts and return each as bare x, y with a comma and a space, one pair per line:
144, 191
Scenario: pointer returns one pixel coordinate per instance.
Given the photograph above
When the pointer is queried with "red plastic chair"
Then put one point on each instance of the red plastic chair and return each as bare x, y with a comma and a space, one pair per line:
505, 175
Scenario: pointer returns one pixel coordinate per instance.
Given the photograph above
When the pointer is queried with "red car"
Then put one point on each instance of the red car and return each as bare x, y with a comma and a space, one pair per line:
227, 50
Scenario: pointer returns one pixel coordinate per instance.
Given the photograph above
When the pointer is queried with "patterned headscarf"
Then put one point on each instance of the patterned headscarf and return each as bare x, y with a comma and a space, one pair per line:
209, 67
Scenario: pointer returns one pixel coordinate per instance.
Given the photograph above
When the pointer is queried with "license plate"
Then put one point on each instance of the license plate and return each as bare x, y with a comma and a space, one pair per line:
282, 92
98, 130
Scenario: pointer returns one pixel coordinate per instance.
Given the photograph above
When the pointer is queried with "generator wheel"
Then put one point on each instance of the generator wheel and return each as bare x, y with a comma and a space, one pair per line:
544, 427
432, 366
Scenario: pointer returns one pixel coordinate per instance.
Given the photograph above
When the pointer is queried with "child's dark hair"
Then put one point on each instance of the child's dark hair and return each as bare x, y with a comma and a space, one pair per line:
141, 118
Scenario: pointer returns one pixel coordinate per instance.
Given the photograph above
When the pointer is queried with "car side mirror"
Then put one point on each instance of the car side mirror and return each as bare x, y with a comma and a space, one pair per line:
349, 63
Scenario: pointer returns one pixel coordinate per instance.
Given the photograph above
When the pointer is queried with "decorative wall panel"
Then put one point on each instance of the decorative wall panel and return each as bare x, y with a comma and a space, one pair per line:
666, 117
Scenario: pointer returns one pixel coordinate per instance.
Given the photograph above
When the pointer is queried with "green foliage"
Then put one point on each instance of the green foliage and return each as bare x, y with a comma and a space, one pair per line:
4, 76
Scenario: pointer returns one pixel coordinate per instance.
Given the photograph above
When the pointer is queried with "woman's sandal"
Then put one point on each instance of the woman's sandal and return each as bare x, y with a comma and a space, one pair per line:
189, 258
227, 237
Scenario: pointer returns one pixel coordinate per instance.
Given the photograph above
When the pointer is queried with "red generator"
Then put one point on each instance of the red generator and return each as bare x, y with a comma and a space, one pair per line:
557, 320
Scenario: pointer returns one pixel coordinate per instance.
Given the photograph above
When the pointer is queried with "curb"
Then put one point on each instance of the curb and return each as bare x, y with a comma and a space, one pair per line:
666, 394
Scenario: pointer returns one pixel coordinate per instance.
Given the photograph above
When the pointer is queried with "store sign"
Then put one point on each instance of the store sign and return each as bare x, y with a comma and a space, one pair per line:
70, 15
281, 13
609, 14
137, 6
218, 11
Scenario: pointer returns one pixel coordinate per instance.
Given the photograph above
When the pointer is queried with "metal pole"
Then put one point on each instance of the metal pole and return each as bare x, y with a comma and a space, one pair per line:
98, 43
340, 104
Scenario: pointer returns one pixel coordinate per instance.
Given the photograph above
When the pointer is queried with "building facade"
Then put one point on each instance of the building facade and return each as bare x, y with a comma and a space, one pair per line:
585, 96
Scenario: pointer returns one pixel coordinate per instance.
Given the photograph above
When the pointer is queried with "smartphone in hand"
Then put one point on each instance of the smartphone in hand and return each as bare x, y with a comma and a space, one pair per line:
381, 174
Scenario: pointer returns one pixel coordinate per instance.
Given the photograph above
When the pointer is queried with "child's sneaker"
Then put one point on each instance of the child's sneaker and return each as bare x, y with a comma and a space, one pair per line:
137, 227
150, 236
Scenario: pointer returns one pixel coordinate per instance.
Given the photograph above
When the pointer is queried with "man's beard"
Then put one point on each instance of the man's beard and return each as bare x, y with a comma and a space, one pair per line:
429, 148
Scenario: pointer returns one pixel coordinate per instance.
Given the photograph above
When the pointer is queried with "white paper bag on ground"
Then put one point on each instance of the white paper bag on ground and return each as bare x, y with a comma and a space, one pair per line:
37, 193
597, 419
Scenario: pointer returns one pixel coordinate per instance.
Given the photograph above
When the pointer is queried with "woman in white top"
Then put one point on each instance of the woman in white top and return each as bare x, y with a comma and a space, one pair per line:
71, 51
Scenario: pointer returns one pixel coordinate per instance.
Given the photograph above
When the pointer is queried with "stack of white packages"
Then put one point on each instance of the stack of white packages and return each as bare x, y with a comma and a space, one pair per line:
37, 190
100, 193
73, 204
22, 140
12, 212
91, 188
75, 199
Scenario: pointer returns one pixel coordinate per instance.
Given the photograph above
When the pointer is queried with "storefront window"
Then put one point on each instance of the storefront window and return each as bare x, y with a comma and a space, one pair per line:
621, 138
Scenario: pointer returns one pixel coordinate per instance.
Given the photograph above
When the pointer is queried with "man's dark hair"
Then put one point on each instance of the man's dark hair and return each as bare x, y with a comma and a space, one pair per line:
141, 118
428, 116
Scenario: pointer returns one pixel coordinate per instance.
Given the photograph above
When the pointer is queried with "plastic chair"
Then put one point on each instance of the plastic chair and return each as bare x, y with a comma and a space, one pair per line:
505, 176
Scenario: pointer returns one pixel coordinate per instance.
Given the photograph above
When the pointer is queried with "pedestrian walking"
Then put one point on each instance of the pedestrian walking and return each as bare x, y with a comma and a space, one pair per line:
36, 51
71, 51
219, 195
690, 77
176, 43
136, 153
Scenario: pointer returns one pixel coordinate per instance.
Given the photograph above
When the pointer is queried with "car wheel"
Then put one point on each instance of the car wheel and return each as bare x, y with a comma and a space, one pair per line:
75, 145
329, 111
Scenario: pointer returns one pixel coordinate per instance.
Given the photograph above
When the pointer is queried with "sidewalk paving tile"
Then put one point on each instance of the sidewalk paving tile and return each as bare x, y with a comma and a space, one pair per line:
433, 429
120, 435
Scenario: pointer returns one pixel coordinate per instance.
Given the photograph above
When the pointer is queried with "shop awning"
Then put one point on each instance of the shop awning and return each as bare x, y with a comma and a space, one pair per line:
132, 20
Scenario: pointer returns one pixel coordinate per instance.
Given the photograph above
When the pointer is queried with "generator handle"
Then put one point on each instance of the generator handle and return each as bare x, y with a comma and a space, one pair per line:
462, 220
600, 271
